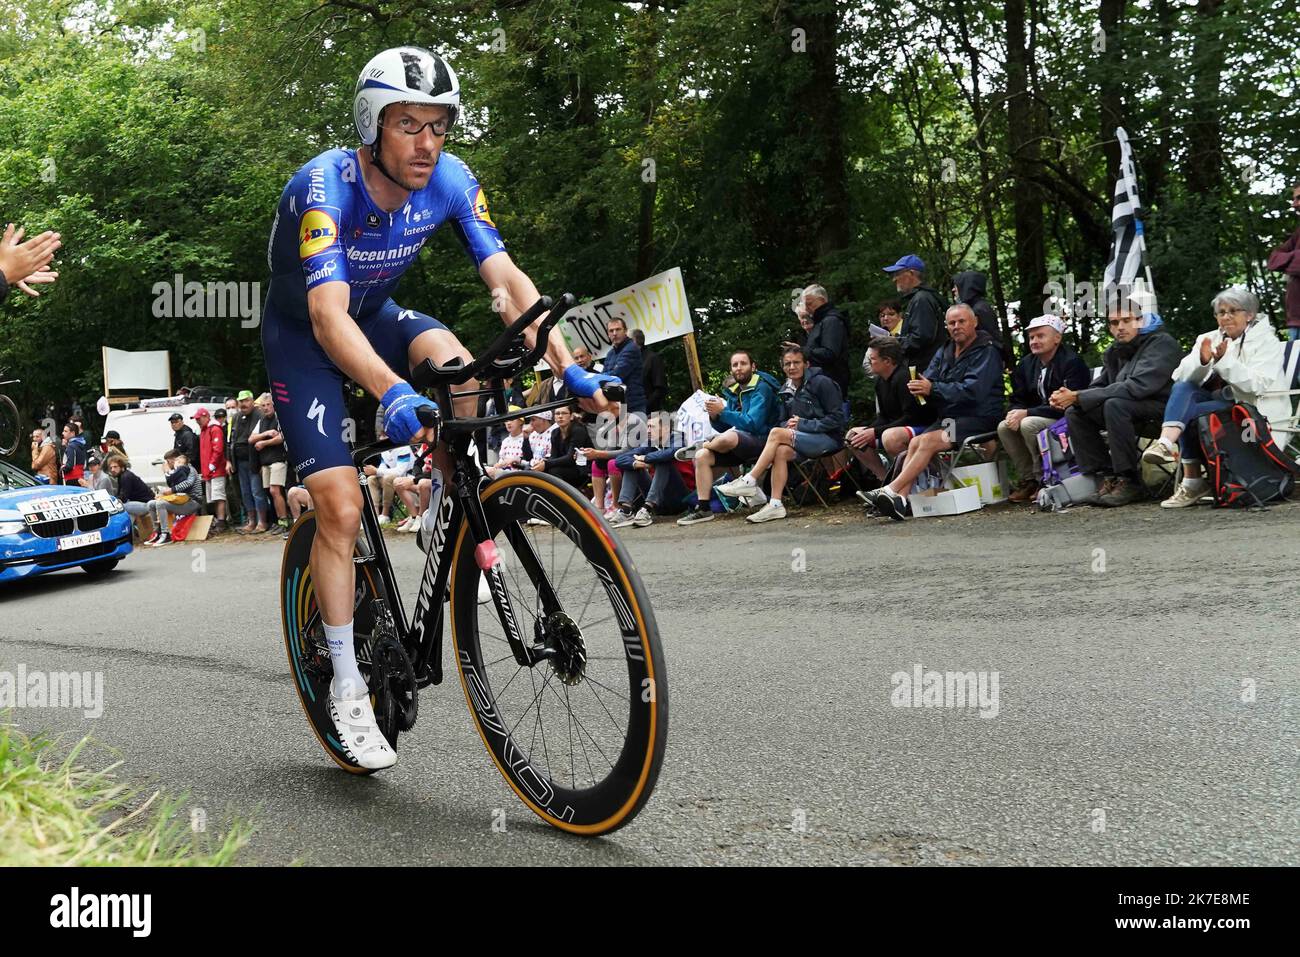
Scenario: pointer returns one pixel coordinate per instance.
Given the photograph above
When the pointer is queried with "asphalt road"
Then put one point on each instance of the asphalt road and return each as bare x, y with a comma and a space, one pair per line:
1146, 708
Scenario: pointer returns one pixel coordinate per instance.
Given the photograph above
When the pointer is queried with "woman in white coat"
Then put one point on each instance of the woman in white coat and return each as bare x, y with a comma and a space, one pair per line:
1244, 353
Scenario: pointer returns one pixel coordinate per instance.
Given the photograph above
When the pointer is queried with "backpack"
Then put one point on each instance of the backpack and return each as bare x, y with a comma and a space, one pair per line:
1245, 465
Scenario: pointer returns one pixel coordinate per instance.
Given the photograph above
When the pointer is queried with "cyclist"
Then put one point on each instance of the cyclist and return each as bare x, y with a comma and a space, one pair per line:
348, 224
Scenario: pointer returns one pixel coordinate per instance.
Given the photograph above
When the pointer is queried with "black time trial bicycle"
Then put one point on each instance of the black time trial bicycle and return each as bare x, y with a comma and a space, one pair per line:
562, 670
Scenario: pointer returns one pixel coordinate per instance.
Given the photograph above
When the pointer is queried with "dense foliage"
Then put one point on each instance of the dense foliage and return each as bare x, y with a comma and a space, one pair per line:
792, 141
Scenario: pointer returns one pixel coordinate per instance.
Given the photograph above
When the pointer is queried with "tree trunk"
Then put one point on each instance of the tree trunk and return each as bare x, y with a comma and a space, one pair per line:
1023, 134
1112, 82
645, 233
825, 125
982, 147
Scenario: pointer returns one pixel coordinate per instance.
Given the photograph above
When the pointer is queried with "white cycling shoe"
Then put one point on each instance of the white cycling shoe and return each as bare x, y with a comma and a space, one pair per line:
358, 731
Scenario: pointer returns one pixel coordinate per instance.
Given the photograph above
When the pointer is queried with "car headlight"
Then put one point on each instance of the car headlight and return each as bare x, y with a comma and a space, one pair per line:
12, 528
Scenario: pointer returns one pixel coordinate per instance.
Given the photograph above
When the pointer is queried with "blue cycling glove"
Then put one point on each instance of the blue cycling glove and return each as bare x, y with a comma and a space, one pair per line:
400, 420
584, 384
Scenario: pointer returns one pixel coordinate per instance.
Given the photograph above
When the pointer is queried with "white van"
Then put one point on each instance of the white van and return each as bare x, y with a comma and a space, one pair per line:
147, 434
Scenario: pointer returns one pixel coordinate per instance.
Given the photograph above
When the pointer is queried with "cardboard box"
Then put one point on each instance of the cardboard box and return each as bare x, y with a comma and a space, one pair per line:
952, 502
991, 479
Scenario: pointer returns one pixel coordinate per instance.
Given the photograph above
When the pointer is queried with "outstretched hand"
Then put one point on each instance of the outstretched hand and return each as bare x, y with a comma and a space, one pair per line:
20, 261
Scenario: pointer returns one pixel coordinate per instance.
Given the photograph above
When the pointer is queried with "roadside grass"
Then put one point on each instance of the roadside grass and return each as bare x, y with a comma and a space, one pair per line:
56, 812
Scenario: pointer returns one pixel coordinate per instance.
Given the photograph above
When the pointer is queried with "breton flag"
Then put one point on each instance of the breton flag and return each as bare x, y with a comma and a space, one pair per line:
1127, 273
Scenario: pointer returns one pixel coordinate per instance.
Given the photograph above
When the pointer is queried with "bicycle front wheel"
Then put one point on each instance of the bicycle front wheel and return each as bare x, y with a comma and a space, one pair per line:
580, 735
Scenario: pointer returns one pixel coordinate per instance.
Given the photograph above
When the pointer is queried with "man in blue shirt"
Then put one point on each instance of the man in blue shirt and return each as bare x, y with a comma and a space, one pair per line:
348, 225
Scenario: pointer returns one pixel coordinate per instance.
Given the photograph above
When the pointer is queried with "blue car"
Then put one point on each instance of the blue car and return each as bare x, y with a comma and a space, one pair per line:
47, 527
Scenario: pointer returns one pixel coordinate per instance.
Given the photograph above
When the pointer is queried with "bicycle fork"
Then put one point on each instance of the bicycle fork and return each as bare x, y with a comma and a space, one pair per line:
488, 559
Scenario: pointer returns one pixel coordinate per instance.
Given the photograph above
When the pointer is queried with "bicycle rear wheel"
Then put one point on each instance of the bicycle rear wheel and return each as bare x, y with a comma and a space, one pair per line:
580, 736
304, 640
9, 432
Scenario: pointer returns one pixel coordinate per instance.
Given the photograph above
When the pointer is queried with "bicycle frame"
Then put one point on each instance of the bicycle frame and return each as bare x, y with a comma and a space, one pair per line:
421, 634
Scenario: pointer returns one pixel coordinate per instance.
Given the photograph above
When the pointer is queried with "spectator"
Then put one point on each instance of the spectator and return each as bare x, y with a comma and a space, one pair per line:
1286, 259
899, 416
1133, 388
184, 495
268, 442
487, 405
212, 466
134, 495
234, 502
96, 478
653, 376
922, 333
541, 427
184, 440
653, 480
113, 443
243, 462
964, 382
814, 426
1049, 365
1244, 353
299, 501
74, 455
827, 345
412, 489
744, 417
582, 356
889, 316
24, 263
394, 464
570, 435
516, 453
969, 287
624, 361
43, 458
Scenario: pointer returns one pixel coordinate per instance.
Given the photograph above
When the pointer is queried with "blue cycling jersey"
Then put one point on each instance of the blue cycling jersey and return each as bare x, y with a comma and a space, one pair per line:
328, 229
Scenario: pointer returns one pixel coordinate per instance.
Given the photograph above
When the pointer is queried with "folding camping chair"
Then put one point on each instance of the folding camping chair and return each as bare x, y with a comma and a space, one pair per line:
948, 460
823, 477
1287, 431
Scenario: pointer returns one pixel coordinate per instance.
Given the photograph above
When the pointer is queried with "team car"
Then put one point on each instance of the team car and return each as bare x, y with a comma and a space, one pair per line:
44, 528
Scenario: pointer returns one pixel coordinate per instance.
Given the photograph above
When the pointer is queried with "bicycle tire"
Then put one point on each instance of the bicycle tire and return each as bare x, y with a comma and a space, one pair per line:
304, 641
611, 801
9, 431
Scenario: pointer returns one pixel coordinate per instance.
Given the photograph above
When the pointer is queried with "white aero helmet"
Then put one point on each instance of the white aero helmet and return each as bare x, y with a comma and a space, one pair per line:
403, 75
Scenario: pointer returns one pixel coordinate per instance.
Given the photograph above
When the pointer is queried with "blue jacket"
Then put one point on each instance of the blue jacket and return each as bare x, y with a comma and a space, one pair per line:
754, 407
970, 385
817, 402
626, 363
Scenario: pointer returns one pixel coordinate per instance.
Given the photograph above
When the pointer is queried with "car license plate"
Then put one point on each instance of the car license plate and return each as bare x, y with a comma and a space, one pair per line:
77, 541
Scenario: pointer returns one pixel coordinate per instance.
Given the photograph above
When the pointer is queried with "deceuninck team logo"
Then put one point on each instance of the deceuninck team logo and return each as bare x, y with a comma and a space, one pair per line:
317, 231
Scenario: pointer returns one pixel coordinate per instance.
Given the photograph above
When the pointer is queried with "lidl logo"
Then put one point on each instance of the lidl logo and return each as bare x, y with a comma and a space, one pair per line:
316, 232
481, 208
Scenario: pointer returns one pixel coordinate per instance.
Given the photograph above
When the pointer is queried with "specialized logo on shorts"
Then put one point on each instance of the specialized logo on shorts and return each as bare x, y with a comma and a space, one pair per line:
317, 412
316, 233
478, 203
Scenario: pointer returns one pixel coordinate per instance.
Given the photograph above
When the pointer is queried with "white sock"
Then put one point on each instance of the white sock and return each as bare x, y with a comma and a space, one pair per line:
347, 682
1172, 446
1194, 484
748, 479
774, 502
